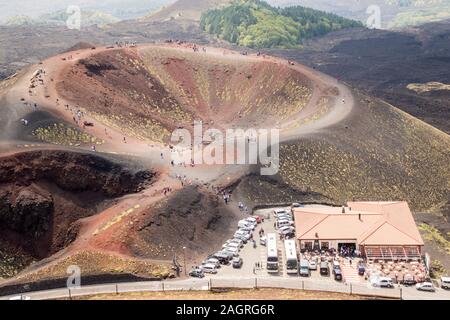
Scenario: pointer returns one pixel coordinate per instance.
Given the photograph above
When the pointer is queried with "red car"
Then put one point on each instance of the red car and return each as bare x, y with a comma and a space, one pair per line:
258, 219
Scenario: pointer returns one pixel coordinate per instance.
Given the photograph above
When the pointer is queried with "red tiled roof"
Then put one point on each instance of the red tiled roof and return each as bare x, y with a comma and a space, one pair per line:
369, 223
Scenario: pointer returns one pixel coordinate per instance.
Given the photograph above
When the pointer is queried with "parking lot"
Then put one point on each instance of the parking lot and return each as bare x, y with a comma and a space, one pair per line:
254, 259
255, 262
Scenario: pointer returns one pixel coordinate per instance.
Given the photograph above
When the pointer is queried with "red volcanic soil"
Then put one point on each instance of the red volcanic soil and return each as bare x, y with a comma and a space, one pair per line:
192, 217
44, 193
152, 90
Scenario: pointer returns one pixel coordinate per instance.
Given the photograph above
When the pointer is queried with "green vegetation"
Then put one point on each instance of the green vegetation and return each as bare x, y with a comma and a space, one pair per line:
416, 16
432, 234
61, 134
256, 24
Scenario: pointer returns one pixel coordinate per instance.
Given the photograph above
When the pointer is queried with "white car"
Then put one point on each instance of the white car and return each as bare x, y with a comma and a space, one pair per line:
284, 223
251, 220
238, 241
243, 234
382, 282
209, 268
312, 264
234, 245
234, 251
277, 212
286, 229
248, 228
425, 286
226, 244
213, 261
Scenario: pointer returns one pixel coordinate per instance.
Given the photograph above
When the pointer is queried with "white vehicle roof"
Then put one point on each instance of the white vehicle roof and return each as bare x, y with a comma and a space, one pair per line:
427, 284
209, 266
445, 279
277, 211
384, 279
284, 220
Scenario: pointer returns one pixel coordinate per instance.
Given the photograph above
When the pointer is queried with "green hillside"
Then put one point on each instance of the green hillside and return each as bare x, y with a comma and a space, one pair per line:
256, 24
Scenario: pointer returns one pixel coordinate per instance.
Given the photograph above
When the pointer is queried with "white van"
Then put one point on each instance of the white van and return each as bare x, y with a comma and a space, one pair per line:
445, 282
209, 268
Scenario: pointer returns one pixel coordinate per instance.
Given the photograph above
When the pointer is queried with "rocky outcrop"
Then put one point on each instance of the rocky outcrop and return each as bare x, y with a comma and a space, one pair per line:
74, 172
44, 194
26, 211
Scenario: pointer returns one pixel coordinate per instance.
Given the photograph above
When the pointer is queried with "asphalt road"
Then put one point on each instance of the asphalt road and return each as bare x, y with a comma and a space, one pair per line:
407, 293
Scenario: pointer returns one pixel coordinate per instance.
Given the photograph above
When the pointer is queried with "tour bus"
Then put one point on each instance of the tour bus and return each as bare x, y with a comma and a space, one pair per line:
291, 256
272, 253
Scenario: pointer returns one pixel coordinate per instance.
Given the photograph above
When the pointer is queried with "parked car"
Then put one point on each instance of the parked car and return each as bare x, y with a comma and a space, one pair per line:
304, 268
251, 220
296, 205
242, 238
237, 263
445, 282
214, 261
233, 251
284, 217
222, 257
286, 229
248, 228
425, 286
263, 240
209, 268
278, 212
238, 241
244, 223
242, 233
361, 269
337, 272
229, 254
196, 273
284, 223
235, 245
382, 282
324, 269
312, 264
